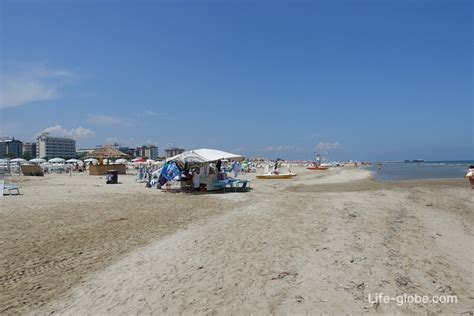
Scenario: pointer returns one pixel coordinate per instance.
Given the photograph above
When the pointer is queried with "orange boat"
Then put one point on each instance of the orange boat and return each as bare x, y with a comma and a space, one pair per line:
317, 168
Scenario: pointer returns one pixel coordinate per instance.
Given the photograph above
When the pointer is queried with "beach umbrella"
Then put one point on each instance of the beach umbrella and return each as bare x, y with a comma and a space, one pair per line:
3, 160
92, 160
150, 161
56, 160
106, 152
73, 160
121, 161
37, 160
19, 160
138, 159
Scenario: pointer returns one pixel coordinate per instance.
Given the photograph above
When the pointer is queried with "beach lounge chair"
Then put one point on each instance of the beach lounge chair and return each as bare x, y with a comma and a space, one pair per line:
236, 184
219, 185
10, 188
241, 185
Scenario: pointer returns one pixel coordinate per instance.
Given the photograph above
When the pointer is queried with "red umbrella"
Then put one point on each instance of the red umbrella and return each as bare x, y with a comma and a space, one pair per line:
139, 160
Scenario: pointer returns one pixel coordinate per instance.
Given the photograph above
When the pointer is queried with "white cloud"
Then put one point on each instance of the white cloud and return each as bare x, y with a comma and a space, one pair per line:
328, 146
56, 130
44, 71
30, 83
151, 113
280, 148
81, 132
76, 133
108, 120
23, 91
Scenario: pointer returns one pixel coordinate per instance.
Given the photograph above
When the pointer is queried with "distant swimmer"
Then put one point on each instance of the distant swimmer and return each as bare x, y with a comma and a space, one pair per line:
379, 167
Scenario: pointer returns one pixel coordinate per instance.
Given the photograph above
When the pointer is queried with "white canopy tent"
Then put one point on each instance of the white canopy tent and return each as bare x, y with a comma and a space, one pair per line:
37, 160
121, 160
56, 160
204, 155
209, 177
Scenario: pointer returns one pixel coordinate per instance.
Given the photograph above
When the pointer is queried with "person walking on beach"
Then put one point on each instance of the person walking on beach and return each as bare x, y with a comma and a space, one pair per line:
237, 168
276, 167
196, 179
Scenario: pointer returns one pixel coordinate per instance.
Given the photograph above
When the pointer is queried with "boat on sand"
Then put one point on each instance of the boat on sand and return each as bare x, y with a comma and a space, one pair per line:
275, 173
317, 164
317, 168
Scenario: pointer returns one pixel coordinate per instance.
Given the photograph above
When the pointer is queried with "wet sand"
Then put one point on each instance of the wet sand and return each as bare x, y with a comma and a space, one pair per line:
369, 184
318, 243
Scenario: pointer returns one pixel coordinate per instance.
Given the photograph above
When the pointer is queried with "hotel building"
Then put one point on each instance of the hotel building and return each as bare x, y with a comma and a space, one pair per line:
51, 147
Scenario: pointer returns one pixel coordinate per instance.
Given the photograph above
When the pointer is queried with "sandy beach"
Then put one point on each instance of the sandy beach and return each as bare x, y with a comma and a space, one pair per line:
319, 243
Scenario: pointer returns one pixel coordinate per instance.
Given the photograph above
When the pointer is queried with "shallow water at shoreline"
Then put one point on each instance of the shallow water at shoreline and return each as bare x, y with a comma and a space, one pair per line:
425, 170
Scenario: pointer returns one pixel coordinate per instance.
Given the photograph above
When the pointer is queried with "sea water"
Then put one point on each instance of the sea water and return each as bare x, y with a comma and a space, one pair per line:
423, 170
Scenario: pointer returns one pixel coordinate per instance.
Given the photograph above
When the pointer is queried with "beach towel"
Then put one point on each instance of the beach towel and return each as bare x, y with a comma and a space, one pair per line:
169, 172
162, 179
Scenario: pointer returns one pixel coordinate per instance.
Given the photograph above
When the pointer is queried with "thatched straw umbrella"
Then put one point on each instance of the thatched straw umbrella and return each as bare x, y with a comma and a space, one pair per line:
104, 155
107, 152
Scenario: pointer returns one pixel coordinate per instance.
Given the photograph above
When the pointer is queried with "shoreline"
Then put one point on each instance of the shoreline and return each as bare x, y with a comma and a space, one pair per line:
369, 182
404, 172
421, 180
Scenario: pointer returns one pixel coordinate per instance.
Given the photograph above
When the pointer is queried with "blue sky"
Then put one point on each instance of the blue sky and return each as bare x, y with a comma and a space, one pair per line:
367, 80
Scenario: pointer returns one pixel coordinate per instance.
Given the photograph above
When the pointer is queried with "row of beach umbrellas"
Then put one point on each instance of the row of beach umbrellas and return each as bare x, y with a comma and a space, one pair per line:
41, 160
73, 160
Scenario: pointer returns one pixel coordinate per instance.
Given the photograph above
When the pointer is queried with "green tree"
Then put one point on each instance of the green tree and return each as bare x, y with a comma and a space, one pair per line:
27, 156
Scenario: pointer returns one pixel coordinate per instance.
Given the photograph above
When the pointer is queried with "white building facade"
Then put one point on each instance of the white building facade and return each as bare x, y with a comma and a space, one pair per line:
52, 147
151, 152
171, 152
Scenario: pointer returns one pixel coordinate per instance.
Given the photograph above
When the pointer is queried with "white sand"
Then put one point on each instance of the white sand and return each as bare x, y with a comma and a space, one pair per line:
287, 247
